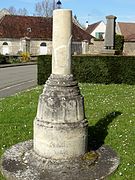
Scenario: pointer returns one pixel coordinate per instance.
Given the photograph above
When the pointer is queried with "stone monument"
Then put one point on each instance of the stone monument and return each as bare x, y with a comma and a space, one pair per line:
110, 35
60, 127
59, 150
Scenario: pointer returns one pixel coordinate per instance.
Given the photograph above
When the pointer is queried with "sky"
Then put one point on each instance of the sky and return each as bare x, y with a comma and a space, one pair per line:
85, 10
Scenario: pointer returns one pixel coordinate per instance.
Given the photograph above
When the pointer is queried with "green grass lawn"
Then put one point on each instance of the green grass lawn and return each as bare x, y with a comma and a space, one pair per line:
110, 110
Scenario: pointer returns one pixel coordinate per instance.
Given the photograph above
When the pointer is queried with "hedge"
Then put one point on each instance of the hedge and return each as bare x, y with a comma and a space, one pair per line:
43, 68
94, 69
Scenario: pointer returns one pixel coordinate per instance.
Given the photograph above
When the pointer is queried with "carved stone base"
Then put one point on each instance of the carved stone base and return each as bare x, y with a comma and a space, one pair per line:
60, 127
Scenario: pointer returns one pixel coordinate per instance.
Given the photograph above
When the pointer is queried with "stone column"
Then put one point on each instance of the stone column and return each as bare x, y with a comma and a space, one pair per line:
61, 57
110, 32
25, 43
85, 47
60, 127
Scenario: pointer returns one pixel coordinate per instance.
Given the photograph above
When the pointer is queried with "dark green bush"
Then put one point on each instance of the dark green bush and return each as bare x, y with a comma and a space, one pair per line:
119, 42
94, 69
2, 59
44, 68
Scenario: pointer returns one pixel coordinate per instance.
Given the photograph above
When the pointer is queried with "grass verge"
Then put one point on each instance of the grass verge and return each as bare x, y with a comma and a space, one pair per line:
110, 110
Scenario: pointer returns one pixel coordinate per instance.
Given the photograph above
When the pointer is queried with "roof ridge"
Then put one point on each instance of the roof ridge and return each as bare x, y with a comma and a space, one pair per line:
95, 23
28, 16
126, 22
75, 21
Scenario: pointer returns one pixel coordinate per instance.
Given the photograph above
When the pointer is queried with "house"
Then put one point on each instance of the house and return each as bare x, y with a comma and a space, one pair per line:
97, 30
33, 34
127, 29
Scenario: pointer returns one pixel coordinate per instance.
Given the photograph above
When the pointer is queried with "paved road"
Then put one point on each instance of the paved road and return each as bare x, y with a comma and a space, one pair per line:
17, 78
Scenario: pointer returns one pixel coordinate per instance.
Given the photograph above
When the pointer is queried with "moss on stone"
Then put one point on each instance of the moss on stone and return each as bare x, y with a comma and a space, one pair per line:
92, 155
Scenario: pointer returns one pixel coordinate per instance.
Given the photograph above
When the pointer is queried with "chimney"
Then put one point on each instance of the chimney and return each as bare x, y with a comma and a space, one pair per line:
87, 24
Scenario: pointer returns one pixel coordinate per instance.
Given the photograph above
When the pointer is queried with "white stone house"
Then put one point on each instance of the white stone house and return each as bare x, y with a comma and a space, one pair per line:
97, 30
33, 35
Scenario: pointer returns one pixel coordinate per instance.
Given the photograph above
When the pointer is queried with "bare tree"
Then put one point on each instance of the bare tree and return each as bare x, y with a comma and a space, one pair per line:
45, 8
12, 10
21, 11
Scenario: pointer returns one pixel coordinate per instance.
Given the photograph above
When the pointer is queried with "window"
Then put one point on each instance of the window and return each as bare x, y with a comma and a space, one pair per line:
5, 43
99, 35
43, 44
5, 48
43, 48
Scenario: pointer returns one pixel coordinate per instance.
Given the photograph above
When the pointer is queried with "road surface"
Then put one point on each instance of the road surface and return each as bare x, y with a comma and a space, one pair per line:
17, 78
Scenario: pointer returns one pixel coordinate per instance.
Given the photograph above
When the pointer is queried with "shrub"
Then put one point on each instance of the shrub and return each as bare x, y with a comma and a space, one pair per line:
3, 59
44, 68
13, 59
119, 42
25, 57
94, 69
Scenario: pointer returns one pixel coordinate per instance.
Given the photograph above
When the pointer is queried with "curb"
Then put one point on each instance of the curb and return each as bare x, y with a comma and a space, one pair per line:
17, 64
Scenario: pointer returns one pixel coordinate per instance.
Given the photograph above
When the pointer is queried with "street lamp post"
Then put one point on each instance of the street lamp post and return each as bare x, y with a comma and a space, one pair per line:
59, 4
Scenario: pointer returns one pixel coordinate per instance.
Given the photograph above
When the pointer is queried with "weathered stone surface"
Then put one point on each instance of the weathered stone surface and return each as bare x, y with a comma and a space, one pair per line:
108, 52
20, 162
61, 53
110, 32
60, 127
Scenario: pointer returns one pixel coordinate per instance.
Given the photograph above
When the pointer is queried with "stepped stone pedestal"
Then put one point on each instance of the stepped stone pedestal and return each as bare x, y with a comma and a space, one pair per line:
108, 52
60, 127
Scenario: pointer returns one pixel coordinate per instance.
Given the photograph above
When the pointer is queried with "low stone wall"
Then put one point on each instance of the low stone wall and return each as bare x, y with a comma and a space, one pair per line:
96, 47
129, 48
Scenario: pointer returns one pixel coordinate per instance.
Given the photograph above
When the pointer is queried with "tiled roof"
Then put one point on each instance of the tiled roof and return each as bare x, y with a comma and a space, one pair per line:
127, 30
92, 27
80, 34
13, 26
17, 27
